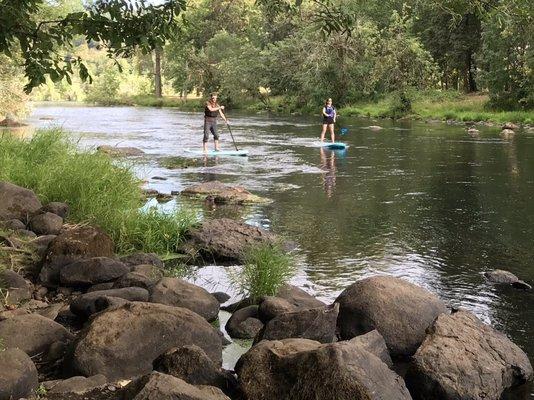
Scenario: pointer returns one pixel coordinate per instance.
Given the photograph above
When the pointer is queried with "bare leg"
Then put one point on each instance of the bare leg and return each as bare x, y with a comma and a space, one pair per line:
205, 147
332, 134
323, 132
217, 145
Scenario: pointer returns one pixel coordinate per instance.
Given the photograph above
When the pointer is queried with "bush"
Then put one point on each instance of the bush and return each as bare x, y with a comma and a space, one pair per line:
266, 268
98, 190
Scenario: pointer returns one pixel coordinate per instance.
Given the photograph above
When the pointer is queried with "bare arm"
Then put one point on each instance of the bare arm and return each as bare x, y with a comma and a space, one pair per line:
211, 108
222, 114
324, 112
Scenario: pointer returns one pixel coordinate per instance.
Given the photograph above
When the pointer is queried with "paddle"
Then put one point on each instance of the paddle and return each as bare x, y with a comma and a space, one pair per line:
344, 131
231, 134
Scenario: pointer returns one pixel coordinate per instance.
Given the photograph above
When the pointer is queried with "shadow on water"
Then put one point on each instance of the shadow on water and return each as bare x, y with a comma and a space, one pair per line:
421, 201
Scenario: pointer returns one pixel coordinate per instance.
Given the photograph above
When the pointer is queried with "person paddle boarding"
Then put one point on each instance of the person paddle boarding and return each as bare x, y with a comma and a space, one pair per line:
329, 119
211, 112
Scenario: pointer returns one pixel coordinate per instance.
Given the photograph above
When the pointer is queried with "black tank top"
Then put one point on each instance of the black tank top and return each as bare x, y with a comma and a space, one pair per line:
210, 114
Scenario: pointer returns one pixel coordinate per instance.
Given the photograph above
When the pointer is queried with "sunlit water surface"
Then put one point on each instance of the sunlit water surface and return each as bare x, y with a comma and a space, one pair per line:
422, 201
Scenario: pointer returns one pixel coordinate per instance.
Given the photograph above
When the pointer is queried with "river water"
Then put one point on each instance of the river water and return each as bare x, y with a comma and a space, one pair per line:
422, 201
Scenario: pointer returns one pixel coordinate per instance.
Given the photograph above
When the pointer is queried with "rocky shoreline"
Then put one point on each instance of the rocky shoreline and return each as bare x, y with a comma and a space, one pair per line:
79, 322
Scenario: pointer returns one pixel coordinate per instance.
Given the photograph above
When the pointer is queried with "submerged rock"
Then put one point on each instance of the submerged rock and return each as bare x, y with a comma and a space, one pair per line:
511, 126
18, 375
301, 369
375, 128
225, 239
223, 193
124, 342
501, 276
17, 202
116, 151
399, 310
464, 359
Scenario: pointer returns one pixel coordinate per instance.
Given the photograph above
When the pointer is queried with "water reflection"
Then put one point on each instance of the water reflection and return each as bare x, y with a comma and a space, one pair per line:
328, 164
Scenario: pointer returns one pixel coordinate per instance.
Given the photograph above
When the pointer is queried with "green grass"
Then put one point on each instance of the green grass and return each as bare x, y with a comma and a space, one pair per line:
449, 105
98, 190
265, 269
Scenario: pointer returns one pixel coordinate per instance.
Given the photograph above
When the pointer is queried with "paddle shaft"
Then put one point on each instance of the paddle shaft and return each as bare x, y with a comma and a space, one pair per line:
232, 135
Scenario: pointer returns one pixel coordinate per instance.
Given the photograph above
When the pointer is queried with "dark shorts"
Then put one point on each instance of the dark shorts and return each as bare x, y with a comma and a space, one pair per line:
328, 120
210, 125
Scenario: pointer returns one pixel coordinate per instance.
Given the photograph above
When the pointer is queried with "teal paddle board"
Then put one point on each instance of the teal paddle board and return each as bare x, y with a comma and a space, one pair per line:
335, 145
213, 153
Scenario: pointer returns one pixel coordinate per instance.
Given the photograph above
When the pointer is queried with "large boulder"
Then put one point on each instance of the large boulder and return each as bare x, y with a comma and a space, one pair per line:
17, 202
315, 324
18, 289
191, 364
222, 193
91, 271
144, 276
464, 359
301, 369
18, 375
244, 323
46, 224
166, 387
40, 334
179, 293
142, 259
72, 245
124, 342
399, 310
225, 239
88, 304
375, 344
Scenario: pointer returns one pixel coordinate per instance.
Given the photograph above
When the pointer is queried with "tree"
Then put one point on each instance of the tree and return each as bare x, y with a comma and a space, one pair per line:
120, 25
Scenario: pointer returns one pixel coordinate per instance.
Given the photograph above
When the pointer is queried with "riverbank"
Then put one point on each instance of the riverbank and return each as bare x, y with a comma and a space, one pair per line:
428, 105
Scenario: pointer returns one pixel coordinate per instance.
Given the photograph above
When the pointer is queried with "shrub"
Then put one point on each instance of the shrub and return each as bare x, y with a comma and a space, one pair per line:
266, 268
98, 190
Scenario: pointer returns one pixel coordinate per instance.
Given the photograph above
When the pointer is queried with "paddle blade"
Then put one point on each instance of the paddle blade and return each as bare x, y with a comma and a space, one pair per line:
344, 131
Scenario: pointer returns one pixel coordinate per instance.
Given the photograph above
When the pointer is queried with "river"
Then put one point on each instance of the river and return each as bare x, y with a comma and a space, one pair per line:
422, 201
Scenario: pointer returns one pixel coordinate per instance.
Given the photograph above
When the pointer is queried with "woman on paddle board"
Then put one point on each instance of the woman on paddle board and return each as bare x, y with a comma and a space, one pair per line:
329, 119
211, 112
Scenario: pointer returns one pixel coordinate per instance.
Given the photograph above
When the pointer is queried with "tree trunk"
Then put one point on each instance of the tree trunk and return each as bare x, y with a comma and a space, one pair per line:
157, 73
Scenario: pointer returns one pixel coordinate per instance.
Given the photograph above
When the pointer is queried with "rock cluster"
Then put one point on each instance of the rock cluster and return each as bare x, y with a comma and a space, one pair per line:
82, 323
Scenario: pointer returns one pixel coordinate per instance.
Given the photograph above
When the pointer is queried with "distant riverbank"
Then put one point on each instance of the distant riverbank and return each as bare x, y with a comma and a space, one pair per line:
429, 105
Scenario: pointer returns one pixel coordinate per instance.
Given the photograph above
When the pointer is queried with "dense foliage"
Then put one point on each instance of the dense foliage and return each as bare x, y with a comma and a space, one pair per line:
301, 51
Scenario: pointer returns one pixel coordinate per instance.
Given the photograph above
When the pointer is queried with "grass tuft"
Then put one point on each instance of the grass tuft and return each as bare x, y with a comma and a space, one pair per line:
99, 191
266, 268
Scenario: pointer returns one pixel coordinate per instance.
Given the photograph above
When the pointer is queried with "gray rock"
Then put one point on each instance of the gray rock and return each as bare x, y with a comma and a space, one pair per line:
18, 289
72, 245
179, 293
142, 259
465, 359
12, 225
61, 209
77, 384
124, 342
315, 324
501, 276
158, 386
17, 202
375, 344
221, 297
88, 304
41, 243
18, 375
225, 239
288, 299
301, 369
244, 324
46, 224
191, 364
399, 310
145, 276
40, 333
101, 286
91, 271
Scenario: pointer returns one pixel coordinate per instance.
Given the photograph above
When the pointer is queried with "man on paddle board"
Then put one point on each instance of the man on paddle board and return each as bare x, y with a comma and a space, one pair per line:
329, 119
211, 112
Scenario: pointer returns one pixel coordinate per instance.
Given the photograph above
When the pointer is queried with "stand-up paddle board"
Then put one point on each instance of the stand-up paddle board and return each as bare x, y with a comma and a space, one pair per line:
210, 153
334, 146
